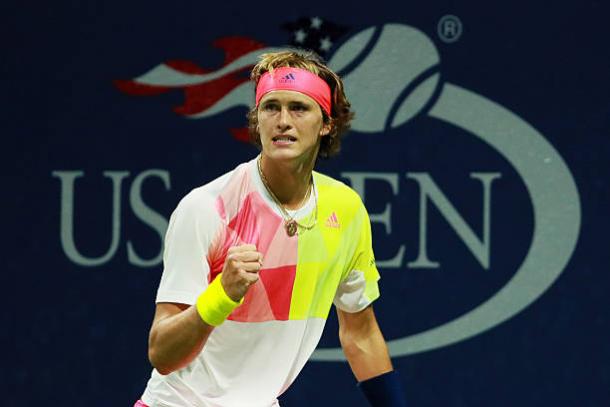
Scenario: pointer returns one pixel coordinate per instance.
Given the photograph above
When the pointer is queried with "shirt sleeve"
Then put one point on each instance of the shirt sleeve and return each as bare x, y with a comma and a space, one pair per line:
360, 288
191, 229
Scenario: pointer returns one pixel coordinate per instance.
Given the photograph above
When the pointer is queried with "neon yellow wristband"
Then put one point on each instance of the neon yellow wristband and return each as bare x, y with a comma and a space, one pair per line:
214, 305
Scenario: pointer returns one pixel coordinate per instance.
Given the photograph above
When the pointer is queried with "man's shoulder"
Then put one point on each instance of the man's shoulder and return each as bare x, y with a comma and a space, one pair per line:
212, 189
337, 190
206, 194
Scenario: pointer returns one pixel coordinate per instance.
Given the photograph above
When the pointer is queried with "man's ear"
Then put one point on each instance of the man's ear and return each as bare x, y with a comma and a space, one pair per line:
326, 128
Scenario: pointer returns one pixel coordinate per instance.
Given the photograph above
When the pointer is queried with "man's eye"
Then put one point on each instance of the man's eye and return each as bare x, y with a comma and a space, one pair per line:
299, 108
270, 107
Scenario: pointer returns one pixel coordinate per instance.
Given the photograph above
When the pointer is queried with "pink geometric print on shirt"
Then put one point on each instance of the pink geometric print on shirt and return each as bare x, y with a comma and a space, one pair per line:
234, 208
256, 306
253, 222
235, 191
279, 283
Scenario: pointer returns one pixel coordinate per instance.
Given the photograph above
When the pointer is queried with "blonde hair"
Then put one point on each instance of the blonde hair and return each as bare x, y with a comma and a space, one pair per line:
341, 115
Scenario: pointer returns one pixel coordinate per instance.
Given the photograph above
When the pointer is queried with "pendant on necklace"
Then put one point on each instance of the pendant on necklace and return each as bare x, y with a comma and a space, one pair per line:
291, 227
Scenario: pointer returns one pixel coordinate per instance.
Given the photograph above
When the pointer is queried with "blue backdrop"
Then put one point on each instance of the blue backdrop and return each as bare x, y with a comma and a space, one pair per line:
480, 148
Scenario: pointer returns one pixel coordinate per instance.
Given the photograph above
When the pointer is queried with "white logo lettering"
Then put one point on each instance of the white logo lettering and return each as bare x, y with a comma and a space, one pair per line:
140, 209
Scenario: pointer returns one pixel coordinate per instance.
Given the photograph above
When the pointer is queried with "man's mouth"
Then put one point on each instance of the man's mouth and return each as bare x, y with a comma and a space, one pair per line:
283, 139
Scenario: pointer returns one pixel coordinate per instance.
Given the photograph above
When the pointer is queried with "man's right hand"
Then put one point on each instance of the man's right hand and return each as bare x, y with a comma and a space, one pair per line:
240, 270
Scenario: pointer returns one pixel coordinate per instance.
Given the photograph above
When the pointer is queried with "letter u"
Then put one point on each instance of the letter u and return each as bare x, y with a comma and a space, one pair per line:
67, 179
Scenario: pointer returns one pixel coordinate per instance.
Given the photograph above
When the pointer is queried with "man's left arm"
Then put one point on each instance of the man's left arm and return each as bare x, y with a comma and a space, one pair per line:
363, 343
368, 357
359, 333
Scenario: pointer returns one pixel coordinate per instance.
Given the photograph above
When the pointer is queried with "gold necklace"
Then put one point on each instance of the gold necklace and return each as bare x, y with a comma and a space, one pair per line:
290, 224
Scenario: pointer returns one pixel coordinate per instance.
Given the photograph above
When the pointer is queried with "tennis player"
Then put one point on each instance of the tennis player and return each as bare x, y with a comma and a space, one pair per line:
254, 260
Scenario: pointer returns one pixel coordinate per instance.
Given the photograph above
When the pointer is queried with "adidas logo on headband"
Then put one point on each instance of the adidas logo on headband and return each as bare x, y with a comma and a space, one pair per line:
287, 78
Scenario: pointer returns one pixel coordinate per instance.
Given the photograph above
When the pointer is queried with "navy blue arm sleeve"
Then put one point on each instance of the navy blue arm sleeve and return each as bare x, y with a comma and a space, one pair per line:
384, 390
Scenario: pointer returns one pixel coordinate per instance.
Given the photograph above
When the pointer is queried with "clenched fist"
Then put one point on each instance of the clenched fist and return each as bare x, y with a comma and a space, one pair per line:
240, 270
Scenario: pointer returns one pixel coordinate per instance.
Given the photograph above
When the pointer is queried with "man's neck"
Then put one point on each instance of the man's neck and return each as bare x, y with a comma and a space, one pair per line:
288, 180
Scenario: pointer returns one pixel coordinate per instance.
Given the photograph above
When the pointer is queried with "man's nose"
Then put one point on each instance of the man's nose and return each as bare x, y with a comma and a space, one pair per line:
284, 120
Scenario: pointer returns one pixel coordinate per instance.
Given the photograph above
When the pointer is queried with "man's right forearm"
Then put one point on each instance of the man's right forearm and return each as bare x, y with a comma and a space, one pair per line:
176, 340
179, 332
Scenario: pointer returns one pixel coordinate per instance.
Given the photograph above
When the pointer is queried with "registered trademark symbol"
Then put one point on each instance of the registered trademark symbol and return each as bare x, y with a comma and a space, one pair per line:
449, 28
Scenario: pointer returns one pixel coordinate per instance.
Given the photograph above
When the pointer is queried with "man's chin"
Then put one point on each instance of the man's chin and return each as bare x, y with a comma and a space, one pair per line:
289, 154
283, 154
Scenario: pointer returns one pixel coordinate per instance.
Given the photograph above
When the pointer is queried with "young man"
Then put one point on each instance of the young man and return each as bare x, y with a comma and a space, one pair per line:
254, 260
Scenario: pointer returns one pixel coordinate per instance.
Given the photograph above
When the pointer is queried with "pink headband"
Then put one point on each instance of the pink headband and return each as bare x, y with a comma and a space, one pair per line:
300, 80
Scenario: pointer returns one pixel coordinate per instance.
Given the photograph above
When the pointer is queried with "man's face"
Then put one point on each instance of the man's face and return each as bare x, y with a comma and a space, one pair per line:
290, 125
